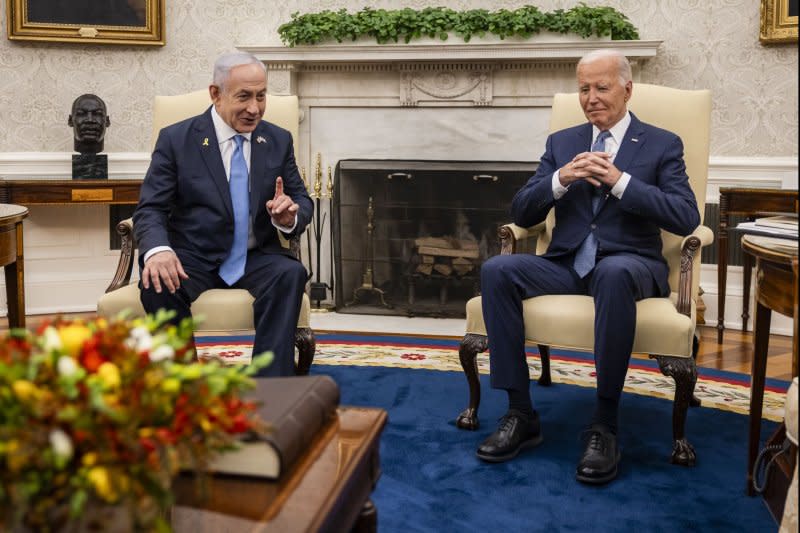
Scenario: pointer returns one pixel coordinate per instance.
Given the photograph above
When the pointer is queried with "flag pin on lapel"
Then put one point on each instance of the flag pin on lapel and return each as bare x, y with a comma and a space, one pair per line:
634, 139
205, 141
260, 139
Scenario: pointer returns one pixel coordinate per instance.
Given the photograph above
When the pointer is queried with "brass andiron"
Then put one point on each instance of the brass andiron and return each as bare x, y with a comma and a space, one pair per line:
367, 280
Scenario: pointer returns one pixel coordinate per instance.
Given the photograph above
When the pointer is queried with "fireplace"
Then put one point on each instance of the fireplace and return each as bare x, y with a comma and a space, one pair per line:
457, 102
410, 236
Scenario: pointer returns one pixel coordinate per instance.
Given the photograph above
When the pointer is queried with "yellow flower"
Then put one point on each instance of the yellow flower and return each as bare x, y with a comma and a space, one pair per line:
25, 390
89, 459
73, 336
101, 482
171, 385
109, 374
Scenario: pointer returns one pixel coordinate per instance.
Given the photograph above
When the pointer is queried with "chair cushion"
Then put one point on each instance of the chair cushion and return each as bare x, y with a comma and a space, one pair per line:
220, 309
561, 320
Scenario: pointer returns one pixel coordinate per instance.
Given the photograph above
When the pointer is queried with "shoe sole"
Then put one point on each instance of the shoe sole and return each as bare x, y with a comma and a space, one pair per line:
600, 480
524, 445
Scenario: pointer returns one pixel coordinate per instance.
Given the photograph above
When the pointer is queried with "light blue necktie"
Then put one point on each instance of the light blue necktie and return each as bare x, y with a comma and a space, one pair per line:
587, 252
233, 267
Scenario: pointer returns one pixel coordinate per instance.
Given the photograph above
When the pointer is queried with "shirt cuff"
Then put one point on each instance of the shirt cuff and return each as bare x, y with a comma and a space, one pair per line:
286, 229
153, 251
619, 187
558, 189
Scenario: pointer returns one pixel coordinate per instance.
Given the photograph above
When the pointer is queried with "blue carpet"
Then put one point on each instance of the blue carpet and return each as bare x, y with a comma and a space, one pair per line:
432, 480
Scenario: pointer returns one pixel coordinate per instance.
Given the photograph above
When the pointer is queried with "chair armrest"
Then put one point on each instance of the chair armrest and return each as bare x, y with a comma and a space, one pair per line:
122, 276
701, 236
510, 234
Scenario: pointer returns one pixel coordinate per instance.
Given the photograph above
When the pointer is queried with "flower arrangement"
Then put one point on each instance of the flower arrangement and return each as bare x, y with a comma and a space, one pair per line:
105, 413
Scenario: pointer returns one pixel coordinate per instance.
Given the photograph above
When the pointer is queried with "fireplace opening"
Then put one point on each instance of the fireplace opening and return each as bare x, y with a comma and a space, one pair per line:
409, 237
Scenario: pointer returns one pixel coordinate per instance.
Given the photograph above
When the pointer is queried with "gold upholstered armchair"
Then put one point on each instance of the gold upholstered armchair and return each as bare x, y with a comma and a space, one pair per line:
665, 327
222, 309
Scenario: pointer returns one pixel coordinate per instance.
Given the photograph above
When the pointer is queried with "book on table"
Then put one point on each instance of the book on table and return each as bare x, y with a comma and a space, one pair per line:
784, 222
295, 409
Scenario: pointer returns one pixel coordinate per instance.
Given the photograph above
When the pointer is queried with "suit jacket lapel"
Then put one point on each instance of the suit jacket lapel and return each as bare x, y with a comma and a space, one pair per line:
631, 144
206, 138
260, 147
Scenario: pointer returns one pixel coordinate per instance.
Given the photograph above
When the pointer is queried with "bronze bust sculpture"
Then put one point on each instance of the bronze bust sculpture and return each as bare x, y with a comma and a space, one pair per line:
89, 120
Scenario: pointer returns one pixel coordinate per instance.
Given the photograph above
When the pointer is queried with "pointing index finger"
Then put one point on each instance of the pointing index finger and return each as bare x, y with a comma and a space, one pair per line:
278, 187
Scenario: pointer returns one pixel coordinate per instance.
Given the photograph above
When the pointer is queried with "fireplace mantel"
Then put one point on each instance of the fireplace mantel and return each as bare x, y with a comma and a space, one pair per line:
545, 52
444, 51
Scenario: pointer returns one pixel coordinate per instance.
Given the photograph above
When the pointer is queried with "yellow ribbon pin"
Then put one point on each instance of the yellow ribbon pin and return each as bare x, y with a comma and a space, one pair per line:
205, 141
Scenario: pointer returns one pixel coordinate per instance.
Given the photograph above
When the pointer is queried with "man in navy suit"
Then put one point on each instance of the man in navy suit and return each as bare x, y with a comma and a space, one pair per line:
614, 183
193, 236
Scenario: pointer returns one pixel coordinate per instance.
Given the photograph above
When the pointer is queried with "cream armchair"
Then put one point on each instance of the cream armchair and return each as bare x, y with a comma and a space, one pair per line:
665, 327
222, 309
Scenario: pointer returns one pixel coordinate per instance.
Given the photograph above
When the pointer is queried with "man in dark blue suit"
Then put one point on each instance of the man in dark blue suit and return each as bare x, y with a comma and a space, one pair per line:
614, 183
220, 188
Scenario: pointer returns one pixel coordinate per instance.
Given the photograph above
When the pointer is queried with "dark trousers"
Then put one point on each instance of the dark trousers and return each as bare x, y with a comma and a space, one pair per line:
276, 282
616, 283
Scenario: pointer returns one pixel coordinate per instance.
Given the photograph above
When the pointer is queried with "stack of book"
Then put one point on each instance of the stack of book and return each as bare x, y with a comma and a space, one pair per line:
780, 226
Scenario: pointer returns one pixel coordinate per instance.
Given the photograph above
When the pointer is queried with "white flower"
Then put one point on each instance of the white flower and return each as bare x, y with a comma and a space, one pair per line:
161, 353
61, 443
139, 339
67, 366
52, 340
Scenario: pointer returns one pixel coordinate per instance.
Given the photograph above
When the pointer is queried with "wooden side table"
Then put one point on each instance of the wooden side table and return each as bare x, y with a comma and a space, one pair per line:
750, 202
11, 258
776, 290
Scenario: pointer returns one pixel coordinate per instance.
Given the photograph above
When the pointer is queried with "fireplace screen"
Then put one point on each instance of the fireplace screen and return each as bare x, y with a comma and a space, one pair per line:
410, 236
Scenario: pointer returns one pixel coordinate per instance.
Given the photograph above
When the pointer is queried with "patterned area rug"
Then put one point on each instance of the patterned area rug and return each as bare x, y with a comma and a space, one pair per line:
716, 389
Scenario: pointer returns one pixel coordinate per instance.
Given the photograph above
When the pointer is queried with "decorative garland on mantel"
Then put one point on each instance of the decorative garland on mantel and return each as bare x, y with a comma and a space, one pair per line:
404, 25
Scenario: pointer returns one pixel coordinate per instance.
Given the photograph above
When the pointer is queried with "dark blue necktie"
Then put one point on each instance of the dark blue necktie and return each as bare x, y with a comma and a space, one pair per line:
587, 252
233, 267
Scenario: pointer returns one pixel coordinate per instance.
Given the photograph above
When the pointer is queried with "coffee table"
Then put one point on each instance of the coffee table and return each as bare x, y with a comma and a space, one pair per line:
327, 490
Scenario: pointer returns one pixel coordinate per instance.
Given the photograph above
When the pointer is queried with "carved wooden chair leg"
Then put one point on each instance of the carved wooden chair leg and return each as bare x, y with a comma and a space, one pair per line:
471, 345
695, 401
684, 372
544, 354
306, 347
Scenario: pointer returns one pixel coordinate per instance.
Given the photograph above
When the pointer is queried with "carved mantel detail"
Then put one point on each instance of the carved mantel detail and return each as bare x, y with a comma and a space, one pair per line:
446, 84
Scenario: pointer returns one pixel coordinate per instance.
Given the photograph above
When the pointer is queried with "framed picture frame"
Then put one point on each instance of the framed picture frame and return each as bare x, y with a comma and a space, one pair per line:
778, 21
126, 22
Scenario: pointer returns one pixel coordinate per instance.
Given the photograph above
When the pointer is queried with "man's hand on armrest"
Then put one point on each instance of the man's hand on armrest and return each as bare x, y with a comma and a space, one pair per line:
163, 267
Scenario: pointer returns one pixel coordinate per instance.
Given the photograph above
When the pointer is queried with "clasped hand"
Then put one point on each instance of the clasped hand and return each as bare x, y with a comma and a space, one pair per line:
282, 208
594, 167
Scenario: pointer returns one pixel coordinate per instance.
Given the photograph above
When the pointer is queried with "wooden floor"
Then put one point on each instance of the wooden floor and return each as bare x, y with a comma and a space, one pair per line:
734, 354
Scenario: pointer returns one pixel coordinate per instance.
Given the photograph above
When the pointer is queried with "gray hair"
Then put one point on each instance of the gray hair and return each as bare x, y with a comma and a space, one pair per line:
623, 66
226, 62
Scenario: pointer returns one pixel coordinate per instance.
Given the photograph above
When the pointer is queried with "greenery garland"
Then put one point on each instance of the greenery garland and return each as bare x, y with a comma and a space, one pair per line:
391, 26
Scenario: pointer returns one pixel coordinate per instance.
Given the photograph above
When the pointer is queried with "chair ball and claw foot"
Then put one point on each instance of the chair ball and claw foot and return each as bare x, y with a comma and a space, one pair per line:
471, 346
684, 372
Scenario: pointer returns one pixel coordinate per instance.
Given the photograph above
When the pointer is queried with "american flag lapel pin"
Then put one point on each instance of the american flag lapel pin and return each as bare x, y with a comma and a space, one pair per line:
634, 140
260, 139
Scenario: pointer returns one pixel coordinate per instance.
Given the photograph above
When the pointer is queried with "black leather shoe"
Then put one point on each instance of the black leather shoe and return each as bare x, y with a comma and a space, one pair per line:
600, 458
515, 433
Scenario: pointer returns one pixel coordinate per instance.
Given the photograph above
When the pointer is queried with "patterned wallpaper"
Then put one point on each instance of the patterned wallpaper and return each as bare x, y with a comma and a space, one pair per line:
707, 44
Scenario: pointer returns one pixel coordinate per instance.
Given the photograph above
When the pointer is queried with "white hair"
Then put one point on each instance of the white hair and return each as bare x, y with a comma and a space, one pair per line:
623, 66
226, 62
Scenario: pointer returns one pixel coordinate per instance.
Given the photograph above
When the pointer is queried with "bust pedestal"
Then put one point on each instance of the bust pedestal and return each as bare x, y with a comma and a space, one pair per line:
89, 166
